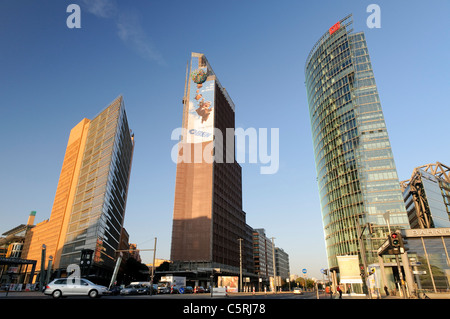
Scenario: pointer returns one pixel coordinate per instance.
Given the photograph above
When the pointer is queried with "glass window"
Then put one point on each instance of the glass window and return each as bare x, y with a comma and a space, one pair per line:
438, 263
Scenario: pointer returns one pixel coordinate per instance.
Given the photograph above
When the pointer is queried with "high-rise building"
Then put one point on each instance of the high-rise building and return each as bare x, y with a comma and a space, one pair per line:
356, 173
208, 219
89, 206
427, 196
263, 255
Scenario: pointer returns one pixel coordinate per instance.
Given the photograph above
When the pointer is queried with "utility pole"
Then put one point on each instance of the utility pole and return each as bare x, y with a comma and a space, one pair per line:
116, 270
49, 269
274, 266
41, 277
153, 266
153, 269
240, 262
363, 253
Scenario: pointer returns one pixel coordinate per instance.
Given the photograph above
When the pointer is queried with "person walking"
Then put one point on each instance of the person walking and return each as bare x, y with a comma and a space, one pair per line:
339, 290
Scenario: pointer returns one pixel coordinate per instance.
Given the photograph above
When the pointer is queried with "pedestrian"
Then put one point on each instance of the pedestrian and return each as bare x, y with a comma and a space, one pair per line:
386, 290
338, 288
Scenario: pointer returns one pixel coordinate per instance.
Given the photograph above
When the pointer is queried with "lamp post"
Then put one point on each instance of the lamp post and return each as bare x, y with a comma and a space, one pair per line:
274, 266
240, 264
153, 269
129, 250
363, 254
41, 276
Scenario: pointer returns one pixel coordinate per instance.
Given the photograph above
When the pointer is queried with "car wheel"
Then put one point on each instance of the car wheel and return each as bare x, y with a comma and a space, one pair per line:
93, 293
57, 294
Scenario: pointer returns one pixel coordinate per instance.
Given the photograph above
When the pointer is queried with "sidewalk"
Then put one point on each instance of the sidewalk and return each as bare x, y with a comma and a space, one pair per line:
22, 294
429, 295
34, 294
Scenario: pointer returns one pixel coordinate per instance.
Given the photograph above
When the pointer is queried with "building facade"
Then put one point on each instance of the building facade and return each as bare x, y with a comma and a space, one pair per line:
208, 219
356, 173
13, 268
282, 263
263, 255
428, 258
89, 206
427, 196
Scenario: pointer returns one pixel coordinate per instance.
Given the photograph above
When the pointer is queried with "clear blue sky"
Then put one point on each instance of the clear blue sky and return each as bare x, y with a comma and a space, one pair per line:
51, 77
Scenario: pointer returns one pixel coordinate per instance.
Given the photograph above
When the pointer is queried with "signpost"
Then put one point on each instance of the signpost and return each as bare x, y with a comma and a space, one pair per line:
304, 271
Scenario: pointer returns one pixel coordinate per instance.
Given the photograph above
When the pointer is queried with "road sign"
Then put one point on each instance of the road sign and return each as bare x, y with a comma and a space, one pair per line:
304, 270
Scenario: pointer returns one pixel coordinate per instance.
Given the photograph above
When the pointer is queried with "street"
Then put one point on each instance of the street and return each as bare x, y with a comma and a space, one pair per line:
259, 296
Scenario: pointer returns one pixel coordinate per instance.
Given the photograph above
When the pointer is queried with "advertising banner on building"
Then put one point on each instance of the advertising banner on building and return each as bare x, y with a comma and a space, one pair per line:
200, 127
230, 282
349, 269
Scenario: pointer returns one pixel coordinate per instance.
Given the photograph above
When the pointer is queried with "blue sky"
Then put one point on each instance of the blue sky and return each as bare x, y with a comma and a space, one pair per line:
51, 77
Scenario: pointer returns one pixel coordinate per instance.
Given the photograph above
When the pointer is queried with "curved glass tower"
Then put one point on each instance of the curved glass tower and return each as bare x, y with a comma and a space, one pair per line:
356, 173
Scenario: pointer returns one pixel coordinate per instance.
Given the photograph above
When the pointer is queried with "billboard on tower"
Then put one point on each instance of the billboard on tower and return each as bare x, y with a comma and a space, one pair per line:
200, 102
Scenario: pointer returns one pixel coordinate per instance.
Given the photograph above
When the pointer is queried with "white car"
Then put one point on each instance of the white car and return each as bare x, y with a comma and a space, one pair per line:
298, 291
63, 287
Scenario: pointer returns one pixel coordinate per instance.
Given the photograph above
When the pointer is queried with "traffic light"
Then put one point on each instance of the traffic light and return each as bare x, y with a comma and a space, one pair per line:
395, 240
362, 271
395, 243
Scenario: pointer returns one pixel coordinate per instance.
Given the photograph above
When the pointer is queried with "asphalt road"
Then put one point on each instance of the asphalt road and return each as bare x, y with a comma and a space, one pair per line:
282, 295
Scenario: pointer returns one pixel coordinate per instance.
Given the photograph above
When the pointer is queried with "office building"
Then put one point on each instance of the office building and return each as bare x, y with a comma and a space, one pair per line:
89, 206
282, 263
427, 196
11, 244
356, 173
13, 268
263, 256
208, 219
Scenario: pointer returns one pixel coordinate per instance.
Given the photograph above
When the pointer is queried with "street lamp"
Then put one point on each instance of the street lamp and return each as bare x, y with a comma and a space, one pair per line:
274, 266
240, 264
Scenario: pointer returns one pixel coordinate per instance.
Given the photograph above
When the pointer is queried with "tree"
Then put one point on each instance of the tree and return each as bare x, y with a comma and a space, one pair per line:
135, 271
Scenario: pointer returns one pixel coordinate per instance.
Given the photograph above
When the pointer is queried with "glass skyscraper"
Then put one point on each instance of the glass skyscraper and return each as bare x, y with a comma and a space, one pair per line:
89, 207
356, 173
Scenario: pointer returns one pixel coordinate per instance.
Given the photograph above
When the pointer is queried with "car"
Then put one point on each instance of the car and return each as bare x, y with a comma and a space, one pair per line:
298, 291
145, 290
163, 290
113, 291
130, 290
63, 287
188, 290
199, 289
